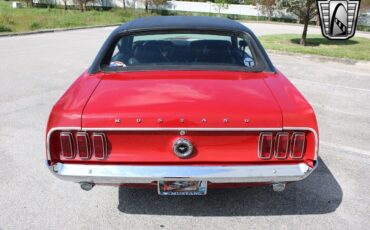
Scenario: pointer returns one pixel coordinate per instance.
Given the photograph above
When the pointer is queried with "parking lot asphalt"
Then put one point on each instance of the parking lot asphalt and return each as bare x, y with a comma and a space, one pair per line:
35, 70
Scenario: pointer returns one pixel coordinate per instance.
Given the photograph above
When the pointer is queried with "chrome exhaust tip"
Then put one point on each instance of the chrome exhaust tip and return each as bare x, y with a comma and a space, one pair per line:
278, 187
87, 186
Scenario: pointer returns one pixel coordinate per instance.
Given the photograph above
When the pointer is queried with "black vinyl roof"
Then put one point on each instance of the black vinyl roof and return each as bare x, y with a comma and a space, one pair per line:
158, 23
182, 22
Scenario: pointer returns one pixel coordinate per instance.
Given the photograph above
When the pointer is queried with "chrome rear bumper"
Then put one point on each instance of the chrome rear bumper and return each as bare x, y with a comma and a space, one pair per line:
126, 174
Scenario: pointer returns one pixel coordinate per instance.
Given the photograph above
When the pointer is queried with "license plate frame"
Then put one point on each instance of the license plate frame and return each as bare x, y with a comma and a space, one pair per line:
182, 188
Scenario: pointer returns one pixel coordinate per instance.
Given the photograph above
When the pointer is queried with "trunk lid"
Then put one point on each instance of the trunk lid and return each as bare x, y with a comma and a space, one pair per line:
159, 100
201, 98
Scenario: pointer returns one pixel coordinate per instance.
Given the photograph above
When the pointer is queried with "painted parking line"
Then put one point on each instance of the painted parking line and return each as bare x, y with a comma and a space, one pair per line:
330, 85
345, 148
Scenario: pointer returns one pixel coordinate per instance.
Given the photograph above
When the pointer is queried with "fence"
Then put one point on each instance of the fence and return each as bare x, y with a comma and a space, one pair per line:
201, 7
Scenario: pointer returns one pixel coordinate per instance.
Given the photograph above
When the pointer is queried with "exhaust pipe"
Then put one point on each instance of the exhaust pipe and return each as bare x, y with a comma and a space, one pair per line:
87, 186
278, 187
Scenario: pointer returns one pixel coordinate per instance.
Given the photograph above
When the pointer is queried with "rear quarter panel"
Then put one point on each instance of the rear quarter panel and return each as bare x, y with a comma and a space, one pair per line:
68, 109
296, 110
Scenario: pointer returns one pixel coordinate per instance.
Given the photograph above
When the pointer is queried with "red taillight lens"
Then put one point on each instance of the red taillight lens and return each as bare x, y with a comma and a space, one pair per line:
298, 145
265, 146
99, 146
281, 145
83, 148
66, 145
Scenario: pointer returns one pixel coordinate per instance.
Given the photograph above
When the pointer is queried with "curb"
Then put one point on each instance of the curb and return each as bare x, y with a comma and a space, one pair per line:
347, 61
117, 24
55, 30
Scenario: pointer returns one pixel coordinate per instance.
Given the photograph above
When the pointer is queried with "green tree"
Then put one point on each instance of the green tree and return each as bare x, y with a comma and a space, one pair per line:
83, 3
155, 3
65, 4
365, 5
267, 7
222, 4
305, 10
28, 3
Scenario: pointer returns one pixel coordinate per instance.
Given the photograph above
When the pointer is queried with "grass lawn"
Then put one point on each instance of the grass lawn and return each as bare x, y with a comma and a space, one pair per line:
355, 48
28, 19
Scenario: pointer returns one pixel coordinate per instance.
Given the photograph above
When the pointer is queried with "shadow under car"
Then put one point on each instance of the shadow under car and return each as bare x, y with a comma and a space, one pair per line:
318, 194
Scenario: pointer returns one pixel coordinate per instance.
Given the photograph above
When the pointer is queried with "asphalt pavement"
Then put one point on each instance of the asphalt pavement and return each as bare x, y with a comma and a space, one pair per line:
36, 69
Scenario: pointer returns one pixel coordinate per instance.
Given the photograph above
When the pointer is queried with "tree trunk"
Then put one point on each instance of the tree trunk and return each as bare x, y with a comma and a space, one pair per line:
146, 5
65, 5
82, 7
124, 4
304, 34
270, 14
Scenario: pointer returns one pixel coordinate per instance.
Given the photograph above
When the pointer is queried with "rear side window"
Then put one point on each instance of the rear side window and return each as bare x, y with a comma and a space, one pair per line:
198, 50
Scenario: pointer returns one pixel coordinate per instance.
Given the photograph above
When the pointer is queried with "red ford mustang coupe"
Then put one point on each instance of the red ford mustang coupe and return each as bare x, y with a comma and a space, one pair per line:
182, 104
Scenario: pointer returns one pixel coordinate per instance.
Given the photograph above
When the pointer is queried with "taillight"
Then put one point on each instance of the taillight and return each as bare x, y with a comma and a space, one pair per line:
83, 147
66, 142
99, 146
298, 145
265, 146
282, 145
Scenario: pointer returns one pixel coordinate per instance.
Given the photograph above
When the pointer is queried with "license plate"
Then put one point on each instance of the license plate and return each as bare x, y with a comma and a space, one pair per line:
182, 188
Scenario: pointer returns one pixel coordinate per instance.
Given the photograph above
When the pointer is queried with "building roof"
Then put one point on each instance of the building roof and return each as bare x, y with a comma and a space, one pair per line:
183, 22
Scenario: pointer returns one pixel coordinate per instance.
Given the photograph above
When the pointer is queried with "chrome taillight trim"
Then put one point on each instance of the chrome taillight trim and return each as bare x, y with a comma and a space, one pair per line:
86, 136
70, 137
313, 131
285, 128
48, 137
260, 143
277, 141
105, 146
294, 137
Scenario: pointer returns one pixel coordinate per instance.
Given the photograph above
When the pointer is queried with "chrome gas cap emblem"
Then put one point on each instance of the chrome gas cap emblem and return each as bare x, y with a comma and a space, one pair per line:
182, 148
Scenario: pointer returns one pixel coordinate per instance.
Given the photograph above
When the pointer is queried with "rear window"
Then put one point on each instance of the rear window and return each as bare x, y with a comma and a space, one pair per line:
184, 50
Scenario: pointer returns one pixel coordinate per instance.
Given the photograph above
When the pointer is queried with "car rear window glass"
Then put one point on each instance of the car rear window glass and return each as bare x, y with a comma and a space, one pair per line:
162, 50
